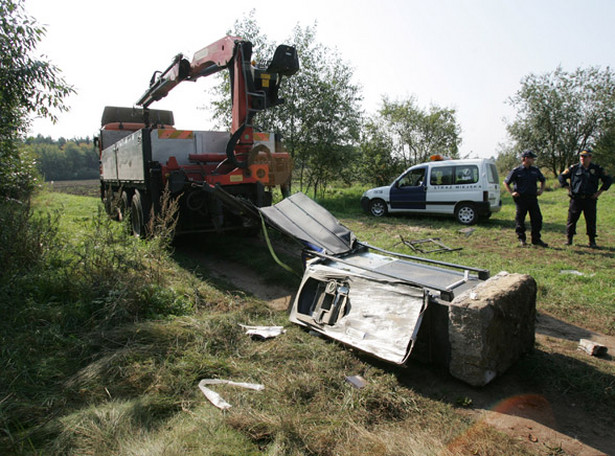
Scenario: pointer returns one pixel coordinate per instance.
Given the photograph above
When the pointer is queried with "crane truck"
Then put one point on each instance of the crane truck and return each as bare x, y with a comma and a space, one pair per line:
142, 153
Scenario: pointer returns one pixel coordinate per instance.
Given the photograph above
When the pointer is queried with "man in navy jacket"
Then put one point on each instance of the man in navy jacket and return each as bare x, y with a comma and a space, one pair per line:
524, 179
584, 178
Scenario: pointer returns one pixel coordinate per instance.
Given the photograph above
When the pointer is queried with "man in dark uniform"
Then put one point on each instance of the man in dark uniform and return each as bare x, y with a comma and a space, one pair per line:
525, 194
583, 191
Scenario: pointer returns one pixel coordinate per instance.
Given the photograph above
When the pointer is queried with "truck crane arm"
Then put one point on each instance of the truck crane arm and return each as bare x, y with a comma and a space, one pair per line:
253, 89
207, 61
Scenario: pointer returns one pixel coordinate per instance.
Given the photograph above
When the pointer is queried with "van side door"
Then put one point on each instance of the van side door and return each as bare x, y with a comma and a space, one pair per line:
410, 190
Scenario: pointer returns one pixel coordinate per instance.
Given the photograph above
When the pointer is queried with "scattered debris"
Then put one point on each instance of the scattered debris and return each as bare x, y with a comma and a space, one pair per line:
467, 231
574, 272
215, 398
416, 245
263, 332
357, 381
592, 348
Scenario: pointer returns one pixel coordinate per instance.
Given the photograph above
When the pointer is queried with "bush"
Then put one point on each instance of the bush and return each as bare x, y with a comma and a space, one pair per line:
27, 239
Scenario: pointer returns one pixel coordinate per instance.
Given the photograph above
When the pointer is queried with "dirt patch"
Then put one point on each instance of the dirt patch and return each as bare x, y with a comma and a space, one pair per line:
246, 279
86, 187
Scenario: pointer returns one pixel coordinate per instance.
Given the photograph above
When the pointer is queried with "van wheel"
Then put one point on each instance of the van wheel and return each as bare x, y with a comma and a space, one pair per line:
377, 207
466, 214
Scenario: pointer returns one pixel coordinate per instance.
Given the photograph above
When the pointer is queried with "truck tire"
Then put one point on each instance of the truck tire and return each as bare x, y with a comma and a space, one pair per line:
377, 207
108, 201
466, 214
123, 208
139, 213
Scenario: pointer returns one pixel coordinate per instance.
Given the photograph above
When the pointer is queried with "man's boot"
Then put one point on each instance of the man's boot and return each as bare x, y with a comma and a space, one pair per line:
592, 243
568, 241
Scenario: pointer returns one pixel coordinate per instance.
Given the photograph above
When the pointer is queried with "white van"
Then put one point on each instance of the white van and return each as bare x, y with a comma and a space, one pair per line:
467, 189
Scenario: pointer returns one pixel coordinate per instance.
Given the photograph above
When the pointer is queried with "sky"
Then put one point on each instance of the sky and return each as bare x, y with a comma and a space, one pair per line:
469, 55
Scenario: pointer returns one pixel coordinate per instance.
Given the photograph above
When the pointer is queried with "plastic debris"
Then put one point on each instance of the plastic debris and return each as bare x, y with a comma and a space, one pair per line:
592, 348
574, 272
357, 381
467, 231
263, 332
417, 245
215, 398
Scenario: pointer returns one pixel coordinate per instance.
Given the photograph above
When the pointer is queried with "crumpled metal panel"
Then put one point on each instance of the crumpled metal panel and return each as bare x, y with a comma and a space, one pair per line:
375, 316
301, 218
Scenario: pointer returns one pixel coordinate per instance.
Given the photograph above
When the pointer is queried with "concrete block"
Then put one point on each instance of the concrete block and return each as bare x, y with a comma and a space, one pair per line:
491, 326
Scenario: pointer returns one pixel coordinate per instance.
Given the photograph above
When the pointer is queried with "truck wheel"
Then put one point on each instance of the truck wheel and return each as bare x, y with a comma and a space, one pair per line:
377, 207
108, 201
466, 214
123, 209
138, 217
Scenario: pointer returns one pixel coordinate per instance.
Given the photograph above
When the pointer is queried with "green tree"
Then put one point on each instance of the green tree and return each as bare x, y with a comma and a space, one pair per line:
74, 159
29, 86
321, 118
420, 133
377, 164
560, 113
508, 157
604, 152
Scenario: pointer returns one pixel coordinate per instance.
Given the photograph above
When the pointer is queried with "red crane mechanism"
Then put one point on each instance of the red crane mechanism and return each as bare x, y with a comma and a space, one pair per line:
253, 89
141, 152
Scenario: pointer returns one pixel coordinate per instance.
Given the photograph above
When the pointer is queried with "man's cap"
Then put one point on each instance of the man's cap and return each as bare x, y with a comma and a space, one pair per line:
528, 154
586, 152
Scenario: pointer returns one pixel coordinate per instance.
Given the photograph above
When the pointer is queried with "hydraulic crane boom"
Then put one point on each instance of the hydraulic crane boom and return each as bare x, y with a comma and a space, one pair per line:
253, 88
207, 61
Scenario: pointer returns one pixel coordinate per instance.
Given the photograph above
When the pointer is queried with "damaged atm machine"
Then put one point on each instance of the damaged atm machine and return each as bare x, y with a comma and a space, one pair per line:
399, 307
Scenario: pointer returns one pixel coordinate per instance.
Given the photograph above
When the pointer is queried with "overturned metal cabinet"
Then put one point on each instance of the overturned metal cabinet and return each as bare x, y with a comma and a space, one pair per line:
376, 300
377, 317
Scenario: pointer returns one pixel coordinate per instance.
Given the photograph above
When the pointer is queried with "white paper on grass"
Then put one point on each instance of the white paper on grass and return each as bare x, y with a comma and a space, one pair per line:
215, 398
266, 332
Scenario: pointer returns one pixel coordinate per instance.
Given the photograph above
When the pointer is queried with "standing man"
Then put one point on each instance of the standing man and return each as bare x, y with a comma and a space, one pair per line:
583, 191
525, 194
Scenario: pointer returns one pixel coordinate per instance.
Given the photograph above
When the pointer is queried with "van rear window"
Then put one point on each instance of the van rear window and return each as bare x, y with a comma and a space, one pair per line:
466, 174
454, 175
492, 174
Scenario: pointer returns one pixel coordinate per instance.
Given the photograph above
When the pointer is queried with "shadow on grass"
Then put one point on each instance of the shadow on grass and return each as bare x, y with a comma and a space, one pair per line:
550, 326
235, 255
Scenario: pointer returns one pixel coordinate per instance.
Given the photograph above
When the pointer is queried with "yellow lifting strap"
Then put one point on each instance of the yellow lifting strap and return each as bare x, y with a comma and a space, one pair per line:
270, 247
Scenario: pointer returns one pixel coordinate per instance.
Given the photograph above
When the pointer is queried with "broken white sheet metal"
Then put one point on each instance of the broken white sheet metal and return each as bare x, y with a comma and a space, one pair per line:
592, 348
377, 317
575, 272
215, 398
263, 332
356, 381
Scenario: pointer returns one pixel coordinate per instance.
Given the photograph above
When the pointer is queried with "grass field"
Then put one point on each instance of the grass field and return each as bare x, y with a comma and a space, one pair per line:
102, 350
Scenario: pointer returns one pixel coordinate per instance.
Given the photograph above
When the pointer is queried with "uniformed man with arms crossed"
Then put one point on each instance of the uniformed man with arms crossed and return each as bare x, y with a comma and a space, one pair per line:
583, 191
525, 194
